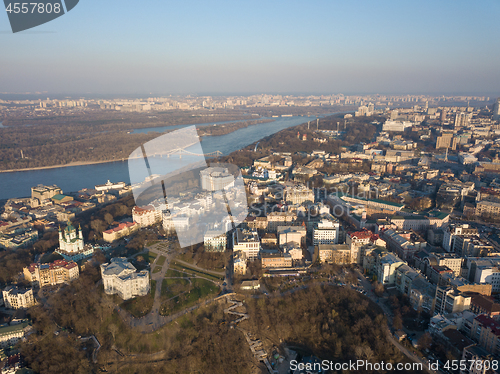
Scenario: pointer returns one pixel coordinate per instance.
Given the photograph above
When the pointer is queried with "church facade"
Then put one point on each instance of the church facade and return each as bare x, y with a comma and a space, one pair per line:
71, 245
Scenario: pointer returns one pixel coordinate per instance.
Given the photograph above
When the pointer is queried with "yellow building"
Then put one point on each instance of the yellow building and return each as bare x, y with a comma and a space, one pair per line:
57, 272
278, 260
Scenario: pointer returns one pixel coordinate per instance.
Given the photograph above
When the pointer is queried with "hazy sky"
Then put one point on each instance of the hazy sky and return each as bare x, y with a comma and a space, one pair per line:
209, 46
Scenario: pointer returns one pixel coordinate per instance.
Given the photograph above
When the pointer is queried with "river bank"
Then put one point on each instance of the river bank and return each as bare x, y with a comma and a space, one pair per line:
75, 176
76, 163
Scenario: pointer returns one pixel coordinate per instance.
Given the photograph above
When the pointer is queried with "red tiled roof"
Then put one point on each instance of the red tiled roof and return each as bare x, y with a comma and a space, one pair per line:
120, 227
486, 321
58, 264
32, 267
364, 234
144, 209
71, 265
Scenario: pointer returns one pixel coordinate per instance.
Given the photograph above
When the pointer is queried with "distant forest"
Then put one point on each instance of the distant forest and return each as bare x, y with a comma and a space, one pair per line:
94, 137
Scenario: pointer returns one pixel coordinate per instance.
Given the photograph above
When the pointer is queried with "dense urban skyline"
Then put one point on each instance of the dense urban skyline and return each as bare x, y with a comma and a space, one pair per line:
225, 47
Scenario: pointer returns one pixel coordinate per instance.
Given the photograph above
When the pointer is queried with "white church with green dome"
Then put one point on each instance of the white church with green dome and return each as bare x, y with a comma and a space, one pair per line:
71, 245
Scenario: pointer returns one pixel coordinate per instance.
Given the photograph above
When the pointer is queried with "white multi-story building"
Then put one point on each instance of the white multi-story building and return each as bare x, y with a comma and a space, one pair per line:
146, 216
449, 300
18, 298
299, 194
496, 109
176, 223
215, 241
291, 235
386, 268
326, 232
10, 335
216, 179
454, 230
120, 277
488, 274
248, 242
398, 126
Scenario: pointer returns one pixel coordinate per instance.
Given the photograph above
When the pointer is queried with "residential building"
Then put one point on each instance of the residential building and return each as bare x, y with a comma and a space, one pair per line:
239, 262
298, 195
486, 331
18, 240
326, 232
475, 357
472, 246
486, 208
176, 223
11, 334
358, 240
405, 275
57, 272
276, 219
453, 342
291, 235
422, 294
450, 260
444, 141
396, 126
269, 240
334, 253
276, 260
453, 230
215, 240
417, 222
15, 297
374, 205
449, 300
216, 179
481, 304
385, 267
496, 110
485, 270
405, 244
120, 277
463, 285
146, 216
451, 194
122, 230
462, 119
294, 251
248, 242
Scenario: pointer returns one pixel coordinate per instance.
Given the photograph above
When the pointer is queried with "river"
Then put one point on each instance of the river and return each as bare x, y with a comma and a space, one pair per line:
74, 178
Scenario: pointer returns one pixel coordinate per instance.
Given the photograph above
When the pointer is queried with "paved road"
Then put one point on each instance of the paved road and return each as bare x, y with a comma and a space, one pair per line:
219, 273
153, 320
388, 312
